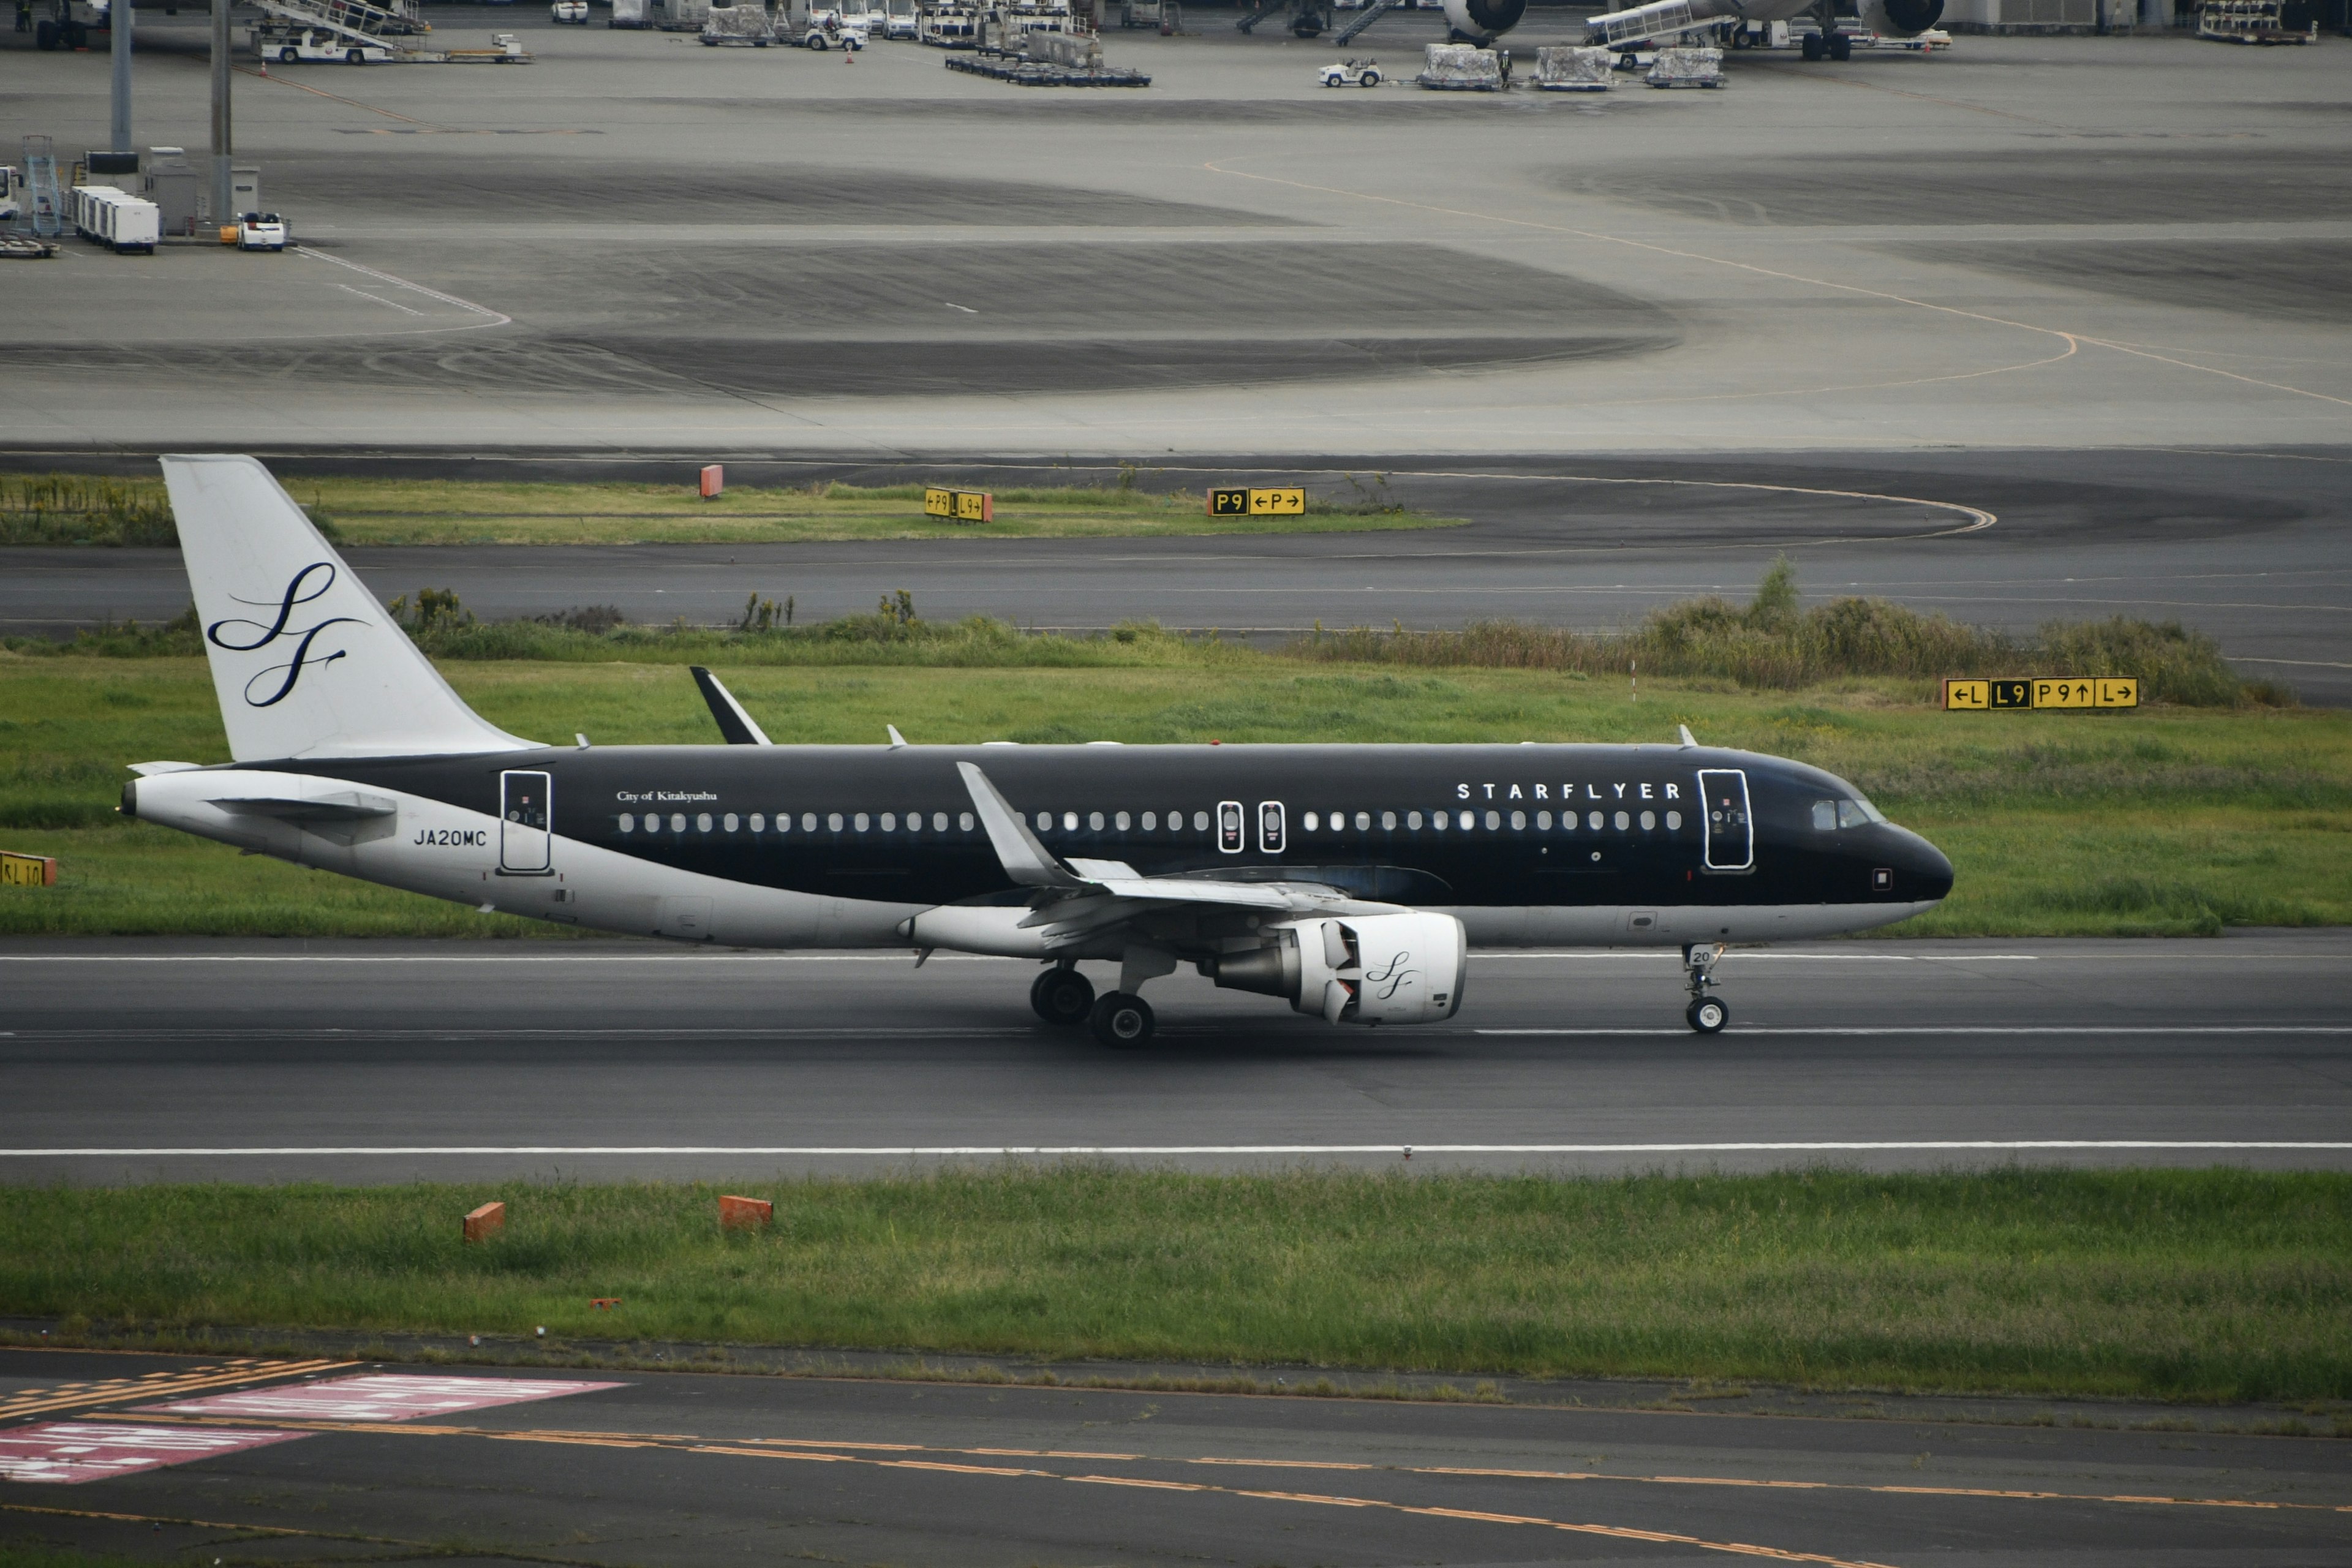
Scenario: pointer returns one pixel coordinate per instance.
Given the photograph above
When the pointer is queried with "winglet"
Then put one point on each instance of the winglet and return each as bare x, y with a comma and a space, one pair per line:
738, 726
1689, 742
1026, 860
898, 742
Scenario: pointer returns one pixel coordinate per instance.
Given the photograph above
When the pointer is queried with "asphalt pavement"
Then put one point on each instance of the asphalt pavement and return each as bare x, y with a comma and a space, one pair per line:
358, 1061
291, 1464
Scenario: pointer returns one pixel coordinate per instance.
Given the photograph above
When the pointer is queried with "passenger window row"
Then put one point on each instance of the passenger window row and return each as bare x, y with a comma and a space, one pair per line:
1121, 822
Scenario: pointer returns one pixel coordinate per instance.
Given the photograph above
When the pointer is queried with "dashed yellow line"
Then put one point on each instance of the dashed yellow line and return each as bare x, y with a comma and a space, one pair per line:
819, 1450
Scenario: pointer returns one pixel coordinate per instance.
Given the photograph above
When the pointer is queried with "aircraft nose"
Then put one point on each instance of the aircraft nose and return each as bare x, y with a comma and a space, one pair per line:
1921, 870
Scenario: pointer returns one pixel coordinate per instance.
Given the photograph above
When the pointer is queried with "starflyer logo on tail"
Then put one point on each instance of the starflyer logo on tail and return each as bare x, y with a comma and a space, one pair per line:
295, 594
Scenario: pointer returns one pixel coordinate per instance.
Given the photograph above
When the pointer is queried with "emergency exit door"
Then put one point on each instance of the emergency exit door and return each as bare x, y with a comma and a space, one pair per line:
1730, 836
525, 824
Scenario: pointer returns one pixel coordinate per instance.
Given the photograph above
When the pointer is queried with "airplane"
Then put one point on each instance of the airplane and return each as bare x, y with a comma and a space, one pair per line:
1348, 880
1483, 22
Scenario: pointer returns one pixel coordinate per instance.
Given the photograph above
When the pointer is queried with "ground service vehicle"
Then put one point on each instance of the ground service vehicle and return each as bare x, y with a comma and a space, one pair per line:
1351, 73
289, 45
71, 27
574, 12
1347, 881
831, 28
898, 19
261, 231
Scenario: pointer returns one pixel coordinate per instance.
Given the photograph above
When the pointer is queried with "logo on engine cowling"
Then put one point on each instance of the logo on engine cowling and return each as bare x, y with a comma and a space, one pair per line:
304, 635
1390, 978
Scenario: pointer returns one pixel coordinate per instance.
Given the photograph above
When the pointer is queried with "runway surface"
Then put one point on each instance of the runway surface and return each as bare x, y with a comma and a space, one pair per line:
365, 1061
713, 1469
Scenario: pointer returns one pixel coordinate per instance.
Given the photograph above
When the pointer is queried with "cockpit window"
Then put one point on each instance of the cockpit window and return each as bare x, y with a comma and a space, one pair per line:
1830, 815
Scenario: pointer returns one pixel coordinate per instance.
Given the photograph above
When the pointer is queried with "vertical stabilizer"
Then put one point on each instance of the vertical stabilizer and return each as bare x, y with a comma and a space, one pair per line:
304, 660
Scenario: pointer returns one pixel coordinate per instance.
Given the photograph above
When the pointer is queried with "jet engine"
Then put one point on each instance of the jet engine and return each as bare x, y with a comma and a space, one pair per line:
1901, 18
1371, 969
1481, 21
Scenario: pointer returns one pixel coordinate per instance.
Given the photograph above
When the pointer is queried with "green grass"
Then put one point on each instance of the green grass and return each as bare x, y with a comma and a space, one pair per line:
2168, 821
30, 1554
2206, 1285
67, 509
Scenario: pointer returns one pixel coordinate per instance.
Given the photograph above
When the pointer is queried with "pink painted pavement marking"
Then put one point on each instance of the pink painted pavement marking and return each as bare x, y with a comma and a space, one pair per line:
378, 1396
69, 1451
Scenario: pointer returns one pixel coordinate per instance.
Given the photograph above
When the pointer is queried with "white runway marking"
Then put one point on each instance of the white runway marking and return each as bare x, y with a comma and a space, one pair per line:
490, 318
1014, 1151
1980, 1030
378, 298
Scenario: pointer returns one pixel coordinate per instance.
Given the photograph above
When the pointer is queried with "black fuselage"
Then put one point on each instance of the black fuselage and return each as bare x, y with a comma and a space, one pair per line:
1461, 826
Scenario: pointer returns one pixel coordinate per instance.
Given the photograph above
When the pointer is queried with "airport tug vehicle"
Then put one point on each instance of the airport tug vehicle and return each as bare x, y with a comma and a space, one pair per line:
832, 28
1350, 882
1351, 72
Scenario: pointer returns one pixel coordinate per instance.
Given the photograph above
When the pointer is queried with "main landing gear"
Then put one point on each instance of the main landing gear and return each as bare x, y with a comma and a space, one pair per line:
1706, 1013
1827, 41
1062, 996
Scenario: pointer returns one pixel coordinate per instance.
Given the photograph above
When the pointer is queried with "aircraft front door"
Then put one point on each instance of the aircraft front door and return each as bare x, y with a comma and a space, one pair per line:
1730, 836
525, 824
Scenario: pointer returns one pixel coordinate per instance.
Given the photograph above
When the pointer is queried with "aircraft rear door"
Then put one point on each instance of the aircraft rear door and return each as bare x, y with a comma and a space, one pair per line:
525, 839
1730, 835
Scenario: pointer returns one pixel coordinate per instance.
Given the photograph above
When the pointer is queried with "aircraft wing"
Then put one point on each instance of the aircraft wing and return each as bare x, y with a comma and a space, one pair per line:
1078, 899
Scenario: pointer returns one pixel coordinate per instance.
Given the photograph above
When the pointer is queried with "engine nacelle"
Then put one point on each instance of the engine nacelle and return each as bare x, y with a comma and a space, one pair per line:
1480, 20
1901, 18
1370, 969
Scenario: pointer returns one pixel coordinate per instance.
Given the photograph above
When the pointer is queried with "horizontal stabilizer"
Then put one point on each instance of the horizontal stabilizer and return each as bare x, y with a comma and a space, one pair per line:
347, 805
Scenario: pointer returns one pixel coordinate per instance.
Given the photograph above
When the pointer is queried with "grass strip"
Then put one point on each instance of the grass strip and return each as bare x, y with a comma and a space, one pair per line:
73, 509
2168, 821
2186, 1285
1774, 642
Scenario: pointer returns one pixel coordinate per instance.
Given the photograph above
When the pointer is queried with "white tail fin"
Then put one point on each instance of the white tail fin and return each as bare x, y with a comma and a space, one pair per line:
304, 660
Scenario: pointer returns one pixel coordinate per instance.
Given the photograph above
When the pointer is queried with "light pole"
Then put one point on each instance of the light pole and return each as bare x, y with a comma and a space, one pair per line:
222, 150
118, 24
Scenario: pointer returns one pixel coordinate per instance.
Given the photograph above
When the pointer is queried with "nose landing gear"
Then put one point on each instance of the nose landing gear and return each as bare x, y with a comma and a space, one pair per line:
1707, 1015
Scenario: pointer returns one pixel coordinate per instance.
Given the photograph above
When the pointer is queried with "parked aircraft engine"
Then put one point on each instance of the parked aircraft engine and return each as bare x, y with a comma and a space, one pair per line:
1900, 18
1481, 20
1374, 969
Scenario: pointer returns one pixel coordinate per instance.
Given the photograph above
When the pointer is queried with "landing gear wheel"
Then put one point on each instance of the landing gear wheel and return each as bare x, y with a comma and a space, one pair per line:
1120, 1020
1812, 49
1841, 47
1708, 1016
77, 36
1062, 996
45, 36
